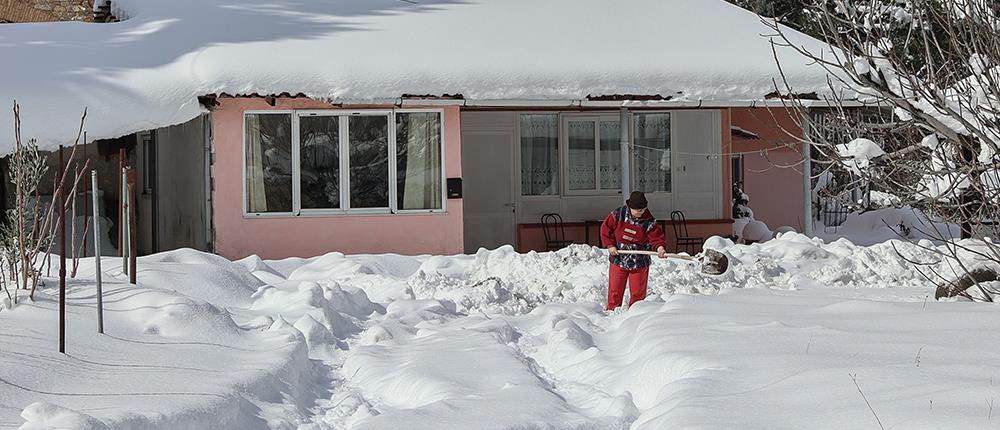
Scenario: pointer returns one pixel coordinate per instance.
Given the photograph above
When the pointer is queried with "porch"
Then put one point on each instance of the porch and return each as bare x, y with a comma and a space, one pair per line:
531, 237
519, 164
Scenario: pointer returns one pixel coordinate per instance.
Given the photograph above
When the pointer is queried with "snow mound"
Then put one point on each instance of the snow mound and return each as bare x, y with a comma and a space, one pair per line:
886, 224
200, 275
46, 416
321, 311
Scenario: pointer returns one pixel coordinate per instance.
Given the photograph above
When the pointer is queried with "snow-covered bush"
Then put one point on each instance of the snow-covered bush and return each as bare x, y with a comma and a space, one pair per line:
756, 231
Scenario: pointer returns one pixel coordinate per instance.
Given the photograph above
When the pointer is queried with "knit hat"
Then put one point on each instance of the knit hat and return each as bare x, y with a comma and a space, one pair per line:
636, 200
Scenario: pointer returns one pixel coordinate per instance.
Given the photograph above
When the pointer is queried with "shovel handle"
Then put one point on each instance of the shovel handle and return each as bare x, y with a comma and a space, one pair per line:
639, 252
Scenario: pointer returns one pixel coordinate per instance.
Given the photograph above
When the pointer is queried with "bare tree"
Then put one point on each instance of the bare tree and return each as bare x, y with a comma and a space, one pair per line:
929, 69
29, 225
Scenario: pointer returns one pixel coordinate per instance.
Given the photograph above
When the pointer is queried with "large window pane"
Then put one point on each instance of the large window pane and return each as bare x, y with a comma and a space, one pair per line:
418, 160
581, 136
652, 152
319, 155
369, 158
611, 155
539, 155
268, 149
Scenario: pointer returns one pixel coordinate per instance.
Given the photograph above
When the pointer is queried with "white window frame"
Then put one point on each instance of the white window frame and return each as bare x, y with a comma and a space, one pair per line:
343, 116
243, 166
596, 118
393, 170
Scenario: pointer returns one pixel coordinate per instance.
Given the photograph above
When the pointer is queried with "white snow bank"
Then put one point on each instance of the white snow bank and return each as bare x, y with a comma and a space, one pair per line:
769, 359
147, 72
167, 360
506, 340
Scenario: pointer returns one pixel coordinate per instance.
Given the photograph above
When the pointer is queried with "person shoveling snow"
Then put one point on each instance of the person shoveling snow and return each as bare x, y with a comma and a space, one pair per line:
630, 228
629, 233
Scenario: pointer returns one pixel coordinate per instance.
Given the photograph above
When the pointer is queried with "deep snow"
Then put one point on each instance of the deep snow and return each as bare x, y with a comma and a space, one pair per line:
504, 340
147, 71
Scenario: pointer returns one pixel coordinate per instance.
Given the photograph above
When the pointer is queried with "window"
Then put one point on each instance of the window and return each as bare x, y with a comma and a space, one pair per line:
651, 138
418, 160
539, 155
368, 145
343, 162
319, 162
594, 155
268, 163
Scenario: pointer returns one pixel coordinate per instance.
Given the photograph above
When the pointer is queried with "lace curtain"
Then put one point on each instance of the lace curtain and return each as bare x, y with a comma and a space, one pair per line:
539, 155
652, 152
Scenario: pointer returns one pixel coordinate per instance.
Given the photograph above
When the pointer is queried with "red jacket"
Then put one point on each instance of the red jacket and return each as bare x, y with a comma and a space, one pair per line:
623, 231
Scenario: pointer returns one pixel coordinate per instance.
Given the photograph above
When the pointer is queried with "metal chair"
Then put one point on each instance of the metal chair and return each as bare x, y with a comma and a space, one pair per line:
684, 239
555, 232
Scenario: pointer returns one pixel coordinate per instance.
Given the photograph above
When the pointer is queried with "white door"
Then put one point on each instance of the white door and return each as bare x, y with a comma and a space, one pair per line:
696, 176
487, 176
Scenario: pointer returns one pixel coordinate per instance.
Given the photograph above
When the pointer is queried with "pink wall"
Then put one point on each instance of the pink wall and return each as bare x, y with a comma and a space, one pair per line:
776, 194
272, 238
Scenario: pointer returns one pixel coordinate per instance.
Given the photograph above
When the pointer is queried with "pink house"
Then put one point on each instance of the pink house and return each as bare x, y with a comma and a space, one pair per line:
305, 177
439, 127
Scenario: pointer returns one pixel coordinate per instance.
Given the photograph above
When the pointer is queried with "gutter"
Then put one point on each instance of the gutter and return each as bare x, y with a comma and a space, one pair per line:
582, 103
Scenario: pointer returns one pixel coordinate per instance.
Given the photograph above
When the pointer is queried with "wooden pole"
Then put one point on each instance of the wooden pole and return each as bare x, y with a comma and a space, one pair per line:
123, 221
62, 254
121, 199
133, 233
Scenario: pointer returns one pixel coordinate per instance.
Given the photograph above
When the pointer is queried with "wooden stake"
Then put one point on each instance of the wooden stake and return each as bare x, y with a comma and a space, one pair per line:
62, 256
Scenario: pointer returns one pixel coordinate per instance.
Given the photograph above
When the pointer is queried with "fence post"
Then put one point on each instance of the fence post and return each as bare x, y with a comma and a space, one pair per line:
133, 232
97, 252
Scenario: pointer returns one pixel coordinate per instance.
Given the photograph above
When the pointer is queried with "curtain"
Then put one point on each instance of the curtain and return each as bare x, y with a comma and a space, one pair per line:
539, 155
256, 194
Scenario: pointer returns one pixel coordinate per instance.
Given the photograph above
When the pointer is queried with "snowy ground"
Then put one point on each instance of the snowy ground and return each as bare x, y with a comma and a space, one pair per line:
796, 335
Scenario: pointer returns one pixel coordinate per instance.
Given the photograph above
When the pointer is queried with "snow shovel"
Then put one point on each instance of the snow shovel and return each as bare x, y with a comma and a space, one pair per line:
712, 262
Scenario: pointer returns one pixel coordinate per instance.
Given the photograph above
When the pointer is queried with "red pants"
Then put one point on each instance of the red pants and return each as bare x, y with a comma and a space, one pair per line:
637, 280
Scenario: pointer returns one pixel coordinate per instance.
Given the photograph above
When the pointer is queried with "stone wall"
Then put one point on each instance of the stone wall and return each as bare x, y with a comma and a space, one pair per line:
46, 10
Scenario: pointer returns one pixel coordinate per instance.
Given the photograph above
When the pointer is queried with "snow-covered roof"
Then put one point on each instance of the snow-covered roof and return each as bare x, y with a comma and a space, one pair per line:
148, 70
